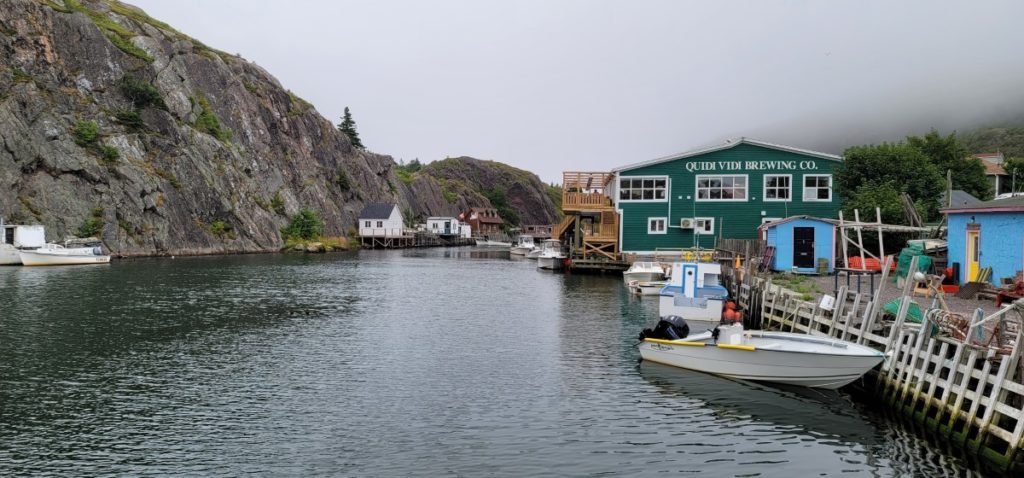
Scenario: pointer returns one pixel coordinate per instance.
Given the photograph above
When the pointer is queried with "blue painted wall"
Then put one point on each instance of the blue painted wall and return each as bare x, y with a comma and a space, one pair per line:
1002, 242
781, 236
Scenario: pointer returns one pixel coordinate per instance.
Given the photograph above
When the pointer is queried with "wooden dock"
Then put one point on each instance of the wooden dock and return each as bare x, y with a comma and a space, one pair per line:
961, 381
598, 265
423, 239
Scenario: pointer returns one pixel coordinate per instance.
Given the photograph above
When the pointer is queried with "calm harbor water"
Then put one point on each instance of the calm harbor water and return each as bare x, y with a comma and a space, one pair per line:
432, 362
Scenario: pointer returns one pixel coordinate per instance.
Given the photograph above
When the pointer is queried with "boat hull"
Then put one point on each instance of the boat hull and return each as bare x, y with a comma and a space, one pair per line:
9, 255
643, 276
751, 363
520, 251
33, 258
550, 263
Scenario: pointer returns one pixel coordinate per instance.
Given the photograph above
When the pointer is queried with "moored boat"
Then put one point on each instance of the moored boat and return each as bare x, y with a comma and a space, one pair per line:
646, 288
524, 244
776, 357
15, 238
694, 291
534, 253
644, 271
57, 255
551, 255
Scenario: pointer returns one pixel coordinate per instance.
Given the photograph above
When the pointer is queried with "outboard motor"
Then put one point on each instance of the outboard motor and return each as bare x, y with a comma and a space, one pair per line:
672, 327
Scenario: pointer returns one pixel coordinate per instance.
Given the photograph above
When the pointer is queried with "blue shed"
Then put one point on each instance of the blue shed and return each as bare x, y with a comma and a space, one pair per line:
800, 241
987, 234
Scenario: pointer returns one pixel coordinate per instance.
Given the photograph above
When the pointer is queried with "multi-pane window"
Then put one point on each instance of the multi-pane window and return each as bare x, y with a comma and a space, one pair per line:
367, 223
380, 223
778, 187
703, 225
728, 187
817, 187
643, 189
656, 225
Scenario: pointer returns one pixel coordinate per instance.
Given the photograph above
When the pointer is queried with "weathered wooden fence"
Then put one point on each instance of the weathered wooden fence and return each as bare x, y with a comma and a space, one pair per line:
968, 392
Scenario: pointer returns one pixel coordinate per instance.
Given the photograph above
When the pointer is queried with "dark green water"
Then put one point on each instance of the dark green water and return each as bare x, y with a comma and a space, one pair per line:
440, 362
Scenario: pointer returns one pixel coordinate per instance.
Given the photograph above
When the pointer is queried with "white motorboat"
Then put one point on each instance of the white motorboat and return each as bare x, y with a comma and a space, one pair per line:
58, 255
646, 288
486, 241
534, 253
551, 255
644, 272
776, 357
524, 244
694, 292
15, 238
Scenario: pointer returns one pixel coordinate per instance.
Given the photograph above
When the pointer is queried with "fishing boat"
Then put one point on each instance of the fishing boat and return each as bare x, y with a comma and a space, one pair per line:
524, 244
644, 272
694, 291
775, 357
551, 255
15, 238
58, 255
646, 288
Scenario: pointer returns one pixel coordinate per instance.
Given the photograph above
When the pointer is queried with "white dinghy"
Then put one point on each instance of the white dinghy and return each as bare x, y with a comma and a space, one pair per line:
777, 357
644, 272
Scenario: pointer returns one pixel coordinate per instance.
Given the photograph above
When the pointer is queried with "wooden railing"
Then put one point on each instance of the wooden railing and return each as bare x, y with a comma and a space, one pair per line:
577, 200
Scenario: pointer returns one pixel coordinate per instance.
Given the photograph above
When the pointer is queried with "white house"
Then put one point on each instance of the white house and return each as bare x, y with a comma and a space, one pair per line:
447, 226
381, 220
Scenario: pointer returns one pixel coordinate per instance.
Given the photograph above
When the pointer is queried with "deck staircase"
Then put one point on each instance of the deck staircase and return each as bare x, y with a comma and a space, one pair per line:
563, 226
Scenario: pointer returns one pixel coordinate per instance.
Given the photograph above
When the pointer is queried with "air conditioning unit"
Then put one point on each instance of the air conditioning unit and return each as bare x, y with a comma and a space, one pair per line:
686, 223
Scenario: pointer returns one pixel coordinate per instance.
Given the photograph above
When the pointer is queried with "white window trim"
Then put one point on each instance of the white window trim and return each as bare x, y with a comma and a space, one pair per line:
699, 231
664, 225
618, 188
696, 188
803, 182
764, 187
766, 220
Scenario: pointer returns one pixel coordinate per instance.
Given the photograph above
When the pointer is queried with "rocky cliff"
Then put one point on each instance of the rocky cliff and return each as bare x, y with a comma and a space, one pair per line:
113, 121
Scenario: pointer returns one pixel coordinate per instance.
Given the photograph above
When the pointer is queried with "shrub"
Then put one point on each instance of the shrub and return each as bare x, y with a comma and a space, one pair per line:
403, 175
142, 94
21, 76
343, 182
208, 122
130, 119
220, 228
304, 225
86, 132
93, 225
277, 203
110, 153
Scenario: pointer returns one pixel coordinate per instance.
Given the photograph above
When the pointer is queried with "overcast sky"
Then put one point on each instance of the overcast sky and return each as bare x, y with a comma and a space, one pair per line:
589, 85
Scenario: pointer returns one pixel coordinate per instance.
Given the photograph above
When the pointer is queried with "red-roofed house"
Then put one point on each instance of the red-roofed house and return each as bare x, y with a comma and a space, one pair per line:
993, 163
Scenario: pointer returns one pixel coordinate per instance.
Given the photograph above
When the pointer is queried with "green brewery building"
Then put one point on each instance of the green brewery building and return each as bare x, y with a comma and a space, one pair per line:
690, 199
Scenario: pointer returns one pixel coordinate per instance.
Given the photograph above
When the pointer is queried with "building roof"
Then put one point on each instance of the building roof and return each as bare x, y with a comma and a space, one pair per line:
994, 168
732, 143
377, 210
960, 198
996, 157
834, 222
1011, 204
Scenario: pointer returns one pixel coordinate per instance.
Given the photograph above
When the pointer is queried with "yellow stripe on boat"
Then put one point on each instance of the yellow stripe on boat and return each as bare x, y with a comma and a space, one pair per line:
748, 348
675, 342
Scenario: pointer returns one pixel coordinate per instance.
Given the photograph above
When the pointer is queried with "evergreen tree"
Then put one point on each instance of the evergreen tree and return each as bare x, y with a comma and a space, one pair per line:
348, 126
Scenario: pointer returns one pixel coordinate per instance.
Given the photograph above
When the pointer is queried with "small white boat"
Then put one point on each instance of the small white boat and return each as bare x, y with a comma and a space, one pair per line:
58, 255
646, 288
551, 255
524, 244
486, 241
776, 357
644, 272
695, 292
15, 238
534, 253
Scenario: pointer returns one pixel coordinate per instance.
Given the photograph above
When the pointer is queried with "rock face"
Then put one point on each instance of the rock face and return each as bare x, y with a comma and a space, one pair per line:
176, 148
